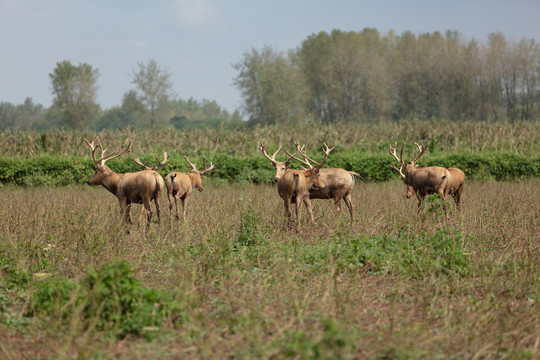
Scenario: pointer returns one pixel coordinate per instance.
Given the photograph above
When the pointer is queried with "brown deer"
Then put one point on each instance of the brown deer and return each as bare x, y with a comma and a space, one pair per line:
338, 183
180, 185
423, 180
294, 187
159, 165
456, 179
130, 188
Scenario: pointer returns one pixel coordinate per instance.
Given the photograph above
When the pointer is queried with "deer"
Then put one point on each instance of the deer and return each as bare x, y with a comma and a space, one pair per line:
456, 179
156, 167
421, 180
338, 183
294, 187
130, 188
180, 185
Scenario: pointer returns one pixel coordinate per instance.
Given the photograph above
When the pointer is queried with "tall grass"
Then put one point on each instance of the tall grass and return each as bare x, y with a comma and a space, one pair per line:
439, 135
231, 282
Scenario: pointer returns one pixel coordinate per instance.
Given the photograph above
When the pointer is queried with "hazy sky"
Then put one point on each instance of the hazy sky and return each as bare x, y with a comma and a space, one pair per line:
197, 41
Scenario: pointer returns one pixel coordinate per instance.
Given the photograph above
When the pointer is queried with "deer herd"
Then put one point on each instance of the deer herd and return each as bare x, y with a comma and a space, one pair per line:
294, 186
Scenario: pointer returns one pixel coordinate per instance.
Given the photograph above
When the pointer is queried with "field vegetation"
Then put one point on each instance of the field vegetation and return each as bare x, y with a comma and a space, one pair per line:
485, 151
232, 283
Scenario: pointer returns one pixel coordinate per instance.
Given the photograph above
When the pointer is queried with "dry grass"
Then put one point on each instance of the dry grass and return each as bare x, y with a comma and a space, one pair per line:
289, 295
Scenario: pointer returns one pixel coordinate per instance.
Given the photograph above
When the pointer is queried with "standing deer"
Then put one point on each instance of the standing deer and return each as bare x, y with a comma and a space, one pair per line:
338, 183
180, 185
130, 188
294, 187
424, 180
159, 165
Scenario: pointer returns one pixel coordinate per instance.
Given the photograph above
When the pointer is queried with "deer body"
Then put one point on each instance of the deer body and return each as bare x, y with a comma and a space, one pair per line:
180, 186
293, 188
338, 183
456, 178
423, 180
130, 188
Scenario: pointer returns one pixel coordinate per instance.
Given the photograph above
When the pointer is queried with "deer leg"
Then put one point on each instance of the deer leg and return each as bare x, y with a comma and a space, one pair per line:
148, 208
457, 195
184, 206
348, 202
307, 202
157, 201
337, 203
125, 211
420, 198
172, 201
287, 213
298, 211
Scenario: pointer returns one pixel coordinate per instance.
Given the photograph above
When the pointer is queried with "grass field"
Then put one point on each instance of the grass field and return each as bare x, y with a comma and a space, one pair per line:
233, 283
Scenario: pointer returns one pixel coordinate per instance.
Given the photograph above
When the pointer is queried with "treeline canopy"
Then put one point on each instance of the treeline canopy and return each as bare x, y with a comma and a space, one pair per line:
365, 76
330, 77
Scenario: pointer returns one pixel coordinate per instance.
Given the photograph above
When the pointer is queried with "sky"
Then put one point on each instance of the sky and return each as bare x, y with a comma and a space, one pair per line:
198, 41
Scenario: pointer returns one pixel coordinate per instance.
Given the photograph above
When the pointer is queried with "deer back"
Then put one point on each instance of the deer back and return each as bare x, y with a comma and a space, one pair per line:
337, 182
137, 186
178, 183
427, 179
292, 183
456, 178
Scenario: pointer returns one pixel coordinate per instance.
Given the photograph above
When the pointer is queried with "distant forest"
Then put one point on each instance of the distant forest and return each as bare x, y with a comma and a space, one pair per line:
357, 77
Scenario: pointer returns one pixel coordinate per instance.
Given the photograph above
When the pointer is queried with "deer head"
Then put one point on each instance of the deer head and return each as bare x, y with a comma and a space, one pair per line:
102, 171
409, 167
280, 166
196, 175
313, 172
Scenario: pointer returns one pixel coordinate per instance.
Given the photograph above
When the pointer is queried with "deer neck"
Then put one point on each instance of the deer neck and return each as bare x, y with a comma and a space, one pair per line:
111, 180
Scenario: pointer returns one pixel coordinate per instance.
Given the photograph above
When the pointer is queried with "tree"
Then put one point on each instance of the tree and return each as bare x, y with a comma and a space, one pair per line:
154, 84
272, 86
74, 88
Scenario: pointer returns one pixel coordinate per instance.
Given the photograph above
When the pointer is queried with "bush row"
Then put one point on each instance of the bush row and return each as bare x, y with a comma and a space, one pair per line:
59, 171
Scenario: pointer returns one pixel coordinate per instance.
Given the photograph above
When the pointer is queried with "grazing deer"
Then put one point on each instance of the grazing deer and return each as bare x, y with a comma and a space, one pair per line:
338, 183
456, 178
180, 185
294, 187
424, 180
130, 188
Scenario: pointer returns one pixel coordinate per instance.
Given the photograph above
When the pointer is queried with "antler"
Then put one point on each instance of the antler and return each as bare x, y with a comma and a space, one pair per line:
327, 151
111, 156
392, 151
301, 150
273, 158
422, 148
194, 166
307, 160
155, 167
212, 166
399, 170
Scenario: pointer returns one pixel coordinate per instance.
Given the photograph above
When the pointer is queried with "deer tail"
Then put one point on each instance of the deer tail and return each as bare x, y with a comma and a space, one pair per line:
356, 174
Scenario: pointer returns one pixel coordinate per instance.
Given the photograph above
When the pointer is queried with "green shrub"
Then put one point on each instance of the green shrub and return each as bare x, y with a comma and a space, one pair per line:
108, 298
58, 171
415, 255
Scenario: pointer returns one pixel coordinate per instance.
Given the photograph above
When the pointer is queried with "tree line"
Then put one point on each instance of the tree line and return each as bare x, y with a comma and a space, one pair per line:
368, 77
150, 104
331, 77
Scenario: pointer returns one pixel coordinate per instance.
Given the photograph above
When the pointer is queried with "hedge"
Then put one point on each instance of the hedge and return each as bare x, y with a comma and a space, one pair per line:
59, 171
